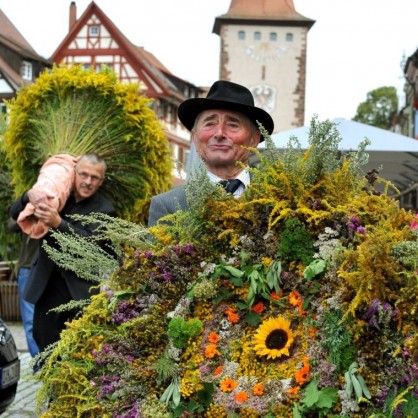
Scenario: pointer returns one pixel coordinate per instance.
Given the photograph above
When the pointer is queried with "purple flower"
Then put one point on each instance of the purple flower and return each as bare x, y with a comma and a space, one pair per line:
380, 314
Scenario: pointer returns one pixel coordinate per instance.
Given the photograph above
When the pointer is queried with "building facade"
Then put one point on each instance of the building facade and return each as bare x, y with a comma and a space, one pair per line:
94, 41
19, 63
264, 47
409, 114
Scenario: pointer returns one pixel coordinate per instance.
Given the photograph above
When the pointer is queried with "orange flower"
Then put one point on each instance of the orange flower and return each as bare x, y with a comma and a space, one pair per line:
295, 299
294, 390
313, 331
213, 337
228, 385
258, 389
218, 370
211, 351
301, 311
241, 397
274, 295
232, 315
302, 374
259, 308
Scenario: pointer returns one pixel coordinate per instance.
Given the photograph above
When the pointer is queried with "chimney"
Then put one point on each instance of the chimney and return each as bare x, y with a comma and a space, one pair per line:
73, 14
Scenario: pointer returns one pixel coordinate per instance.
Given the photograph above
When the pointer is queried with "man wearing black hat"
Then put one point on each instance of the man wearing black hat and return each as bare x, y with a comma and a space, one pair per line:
223, 125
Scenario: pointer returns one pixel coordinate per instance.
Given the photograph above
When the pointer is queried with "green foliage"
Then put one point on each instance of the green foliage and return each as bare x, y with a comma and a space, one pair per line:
119, 233
354, 383
166, 368
181, 331
338, 340
296, 242
380, 106
83, 256
316, 400
9, 240
407, 253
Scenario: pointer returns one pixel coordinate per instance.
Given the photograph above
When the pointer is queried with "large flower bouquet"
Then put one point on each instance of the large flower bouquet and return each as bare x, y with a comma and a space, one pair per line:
298, 299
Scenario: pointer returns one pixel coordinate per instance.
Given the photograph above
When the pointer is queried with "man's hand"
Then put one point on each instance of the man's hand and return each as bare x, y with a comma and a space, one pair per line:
48, 215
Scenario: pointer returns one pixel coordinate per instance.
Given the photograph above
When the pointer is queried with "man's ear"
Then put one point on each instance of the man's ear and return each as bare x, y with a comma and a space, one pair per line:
256, 138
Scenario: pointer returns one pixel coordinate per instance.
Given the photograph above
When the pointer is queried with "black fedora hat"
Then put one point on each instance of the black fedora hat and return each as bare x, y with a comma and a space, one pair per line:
225, 95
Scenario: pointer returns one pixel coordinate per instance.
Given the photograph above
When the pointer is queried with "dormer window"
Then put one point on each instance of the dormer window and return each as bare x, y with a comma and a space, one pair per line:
94, 31
26, 70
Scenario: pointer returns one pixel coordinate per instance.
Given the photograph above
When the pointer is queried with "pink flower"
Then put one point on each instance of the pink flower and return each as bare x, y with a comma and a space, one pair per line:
414, 223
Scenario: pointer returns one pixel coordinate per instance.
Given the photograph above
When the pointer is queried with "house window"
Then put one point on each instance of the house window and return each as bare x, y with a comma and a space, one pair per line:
26, 70
241, 35
101, 67
257, 36
94, 31
289, 37
273, 36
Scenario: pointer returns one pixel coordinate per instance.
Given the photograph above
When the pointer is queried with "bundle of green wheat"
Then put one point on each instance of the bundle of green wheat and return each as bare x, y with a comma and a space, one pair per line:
74, 111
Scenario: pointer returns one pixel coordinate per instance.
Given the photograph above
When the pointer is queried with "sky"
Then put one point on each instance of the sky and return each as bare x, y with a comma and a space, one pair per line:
355, 46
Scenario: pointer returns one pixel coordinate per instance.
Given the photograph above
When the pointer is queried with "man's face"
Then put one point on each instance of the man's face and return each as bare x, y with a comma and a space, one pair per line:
219, 136
88, 178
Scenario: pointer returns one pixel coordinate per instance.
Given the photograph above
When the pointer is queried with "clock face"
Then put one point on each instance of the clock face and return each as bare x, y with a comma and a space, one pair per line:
265, 52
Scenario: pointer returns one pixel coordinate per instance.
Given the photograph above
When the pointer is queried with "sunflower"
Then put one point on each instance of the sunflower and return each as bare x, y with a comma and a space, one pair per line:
273, 338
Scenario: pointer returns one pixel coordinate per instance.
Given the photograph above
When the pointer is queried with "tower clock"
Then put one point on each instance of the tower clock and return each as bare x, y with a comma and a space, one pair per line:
264, 47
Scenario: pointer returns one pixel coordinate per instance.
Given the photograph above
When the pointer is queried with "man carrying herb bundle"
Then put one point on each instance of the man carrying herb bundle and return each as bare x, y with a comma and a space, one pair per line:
223, 126
49, 285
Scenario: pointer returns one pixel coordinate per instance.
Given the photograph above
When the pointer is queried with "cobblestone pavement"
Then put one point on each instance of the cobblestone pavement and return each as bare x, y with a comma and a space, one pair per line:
25, 401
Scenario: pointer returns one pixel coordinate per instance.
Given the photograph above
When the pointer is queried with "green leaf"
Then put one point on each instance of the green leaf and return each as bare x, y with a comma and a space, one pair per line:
349, 384
236, 281
242, 305
233, 271
296, 411
222, 295
316, 267
253, 318
205, 395
311, 394
357, 387
364, 387
327, 397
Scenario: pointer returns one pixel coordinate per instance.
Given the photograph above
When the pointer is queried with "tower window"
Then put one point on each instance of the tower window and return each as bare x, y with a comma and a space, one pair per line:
289, 37
257, 36
241, 35
273, 36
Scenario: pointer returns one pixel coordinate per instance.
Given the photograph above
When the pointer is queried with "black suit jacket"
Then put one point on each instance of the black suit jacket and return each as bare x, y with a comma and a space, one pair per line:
43, 268
167, 203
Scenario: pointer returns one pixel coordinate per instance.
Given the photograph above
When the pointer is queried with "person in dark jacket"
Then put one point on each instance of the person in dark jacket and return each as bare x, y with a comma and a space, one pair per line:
50, 286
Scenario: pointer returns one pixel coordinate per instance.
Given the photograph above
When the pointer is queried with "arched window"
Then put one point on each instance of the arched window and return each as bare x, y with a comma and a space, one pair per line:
289, 37
257, 36
241, 35
273, 36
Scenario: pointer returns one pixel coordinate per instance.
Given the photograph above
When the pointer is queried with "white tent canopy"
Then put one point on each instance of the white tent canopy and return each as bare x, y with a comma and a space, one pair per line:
396, 155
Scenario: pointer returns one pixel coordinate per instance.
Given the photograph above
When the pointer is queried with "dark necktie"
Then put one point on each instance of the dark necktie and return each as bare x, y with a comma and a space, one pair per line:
230, 185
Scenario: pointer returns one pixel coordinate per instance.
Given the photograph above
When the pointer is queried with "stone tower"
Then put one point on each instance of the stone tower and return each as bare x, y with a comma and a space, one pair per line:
263, 46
